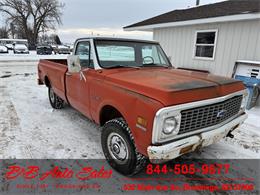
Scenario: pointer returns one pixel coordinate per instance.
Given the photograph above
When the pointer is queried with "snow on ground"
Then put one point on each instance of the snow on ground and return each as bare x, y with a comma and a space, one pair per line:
30, 128
32, 57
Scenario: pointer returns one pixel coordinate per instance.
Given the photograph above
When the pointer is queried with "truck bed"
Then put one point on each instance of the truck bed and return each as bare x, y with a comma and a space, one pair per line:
52, 72
58, 61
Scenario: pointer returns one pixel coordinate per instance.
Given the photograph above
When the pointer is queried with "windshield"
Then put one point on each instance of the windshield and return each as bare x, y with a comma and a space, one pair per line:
130, 54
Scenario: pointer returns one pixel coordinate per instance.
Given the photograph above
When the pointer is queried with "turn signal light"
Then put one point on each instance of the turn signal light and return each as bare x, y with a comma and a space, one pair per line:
141, 121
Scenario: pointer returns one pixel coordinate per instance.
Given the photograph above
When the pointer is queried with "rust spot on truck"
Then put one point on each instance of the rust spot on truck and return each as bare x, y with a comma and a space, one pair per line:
190, 85
223, 80
137, 95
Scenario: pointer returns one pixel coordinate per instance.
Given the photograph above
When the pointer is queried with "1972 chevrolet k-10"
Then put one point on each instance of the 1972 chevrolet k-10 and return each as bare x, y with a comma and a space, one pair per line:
148, 109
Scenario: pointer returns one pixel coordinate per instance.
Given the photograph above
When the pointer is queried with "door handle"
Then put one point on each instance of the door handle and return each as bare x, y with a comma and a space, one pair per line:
68, 74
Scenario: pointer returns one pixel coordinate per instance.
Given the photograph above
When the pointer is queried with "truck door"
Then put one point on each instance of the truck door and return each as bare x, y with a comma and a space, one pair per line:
77, 84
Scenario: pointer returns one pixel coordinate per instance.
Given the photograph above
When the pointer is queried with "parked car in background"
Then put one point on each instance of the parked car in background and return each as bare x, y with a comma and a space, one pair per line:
70, 46
3, 49
9, 43
44, 50
61, 49
9, 46
21, 49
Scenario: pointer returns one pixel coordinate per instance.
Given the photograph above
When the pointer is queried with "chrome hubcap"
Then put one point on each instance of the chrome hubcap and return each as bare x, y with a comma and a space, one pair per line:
117, 147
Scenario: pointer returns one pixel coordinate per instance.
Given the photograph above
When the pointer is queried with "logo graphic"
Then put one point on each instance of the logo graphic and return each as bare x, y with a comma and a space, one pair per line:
221, 113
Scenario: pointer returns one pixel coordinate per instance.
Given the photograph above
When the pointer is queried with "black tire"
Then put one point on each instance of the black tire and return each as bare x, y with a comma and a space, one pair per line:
134, 161
55, 101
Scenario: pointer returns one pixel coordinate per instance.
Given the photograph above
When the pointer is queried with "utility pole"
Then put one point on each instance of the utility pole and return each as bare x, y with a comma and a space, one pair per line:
197, 2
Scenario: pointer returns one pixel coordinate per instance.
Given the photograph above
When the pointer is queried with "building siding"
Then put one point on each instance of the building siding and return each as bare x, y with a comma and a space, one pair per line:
236, 41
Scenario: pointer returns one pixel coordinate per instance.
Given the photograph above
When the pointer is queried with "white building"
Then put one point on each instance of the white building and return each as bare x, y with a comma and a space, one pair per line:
210, 37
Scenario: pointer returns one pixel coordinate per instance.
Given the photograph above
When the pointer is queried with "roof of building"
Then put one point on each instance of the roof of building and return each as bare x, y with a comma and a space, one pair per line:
116, 39
225, 8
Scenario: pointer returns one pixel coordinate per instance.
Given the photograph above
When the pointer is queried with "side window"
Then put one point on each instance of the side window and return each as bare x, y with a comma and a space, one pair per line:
205, 44
84, 52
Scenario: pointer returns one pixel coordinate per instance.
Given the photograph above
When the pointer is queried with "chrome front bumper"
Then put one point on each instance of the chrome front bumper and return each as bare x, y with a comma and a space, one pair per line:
159, 154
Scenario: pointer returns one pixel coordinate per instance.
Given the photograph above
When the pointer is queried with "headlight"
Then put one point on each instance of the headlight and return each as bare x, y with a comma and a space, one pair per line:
166, 125
170, 126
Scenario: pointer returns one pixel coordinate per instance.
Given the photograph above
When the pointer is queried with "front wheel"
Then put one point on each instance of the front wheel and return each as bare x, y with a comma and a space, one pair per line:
55, 101
119, 148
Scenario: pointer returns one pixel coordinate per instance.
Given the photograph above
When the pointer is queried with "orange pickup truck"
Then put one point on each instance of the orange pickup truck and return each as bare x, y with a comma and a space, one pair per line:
148, 109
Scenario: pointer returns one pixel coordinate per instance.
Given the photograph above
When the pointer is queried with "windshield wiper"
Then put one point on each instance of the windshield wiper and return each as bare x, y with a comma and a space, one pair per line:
124, 66
154, 65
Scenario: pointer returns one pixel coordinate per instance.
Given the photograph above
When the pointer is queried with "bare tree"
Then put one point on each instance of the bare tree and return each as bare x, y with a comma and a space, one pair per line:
3, 32
31, 17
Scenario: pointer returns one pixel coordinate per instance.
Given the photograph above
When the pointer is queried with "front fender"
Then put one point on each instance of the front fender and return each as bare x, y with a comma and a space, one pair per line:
132, 105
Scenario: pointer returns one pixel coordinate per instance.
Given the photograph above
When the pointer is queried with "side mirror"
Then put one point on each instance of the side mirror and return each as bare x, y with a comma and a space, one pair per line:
73, 64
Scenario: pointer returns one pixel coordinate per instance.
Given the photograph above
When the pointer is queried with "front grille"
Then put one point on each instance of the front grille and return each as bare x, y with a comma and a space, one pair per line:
210, 115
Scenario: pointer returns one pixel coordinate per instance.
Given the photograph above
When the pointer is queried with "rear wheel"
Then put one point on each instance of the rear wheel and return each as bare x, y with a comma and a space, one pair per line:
119, 148
55, 101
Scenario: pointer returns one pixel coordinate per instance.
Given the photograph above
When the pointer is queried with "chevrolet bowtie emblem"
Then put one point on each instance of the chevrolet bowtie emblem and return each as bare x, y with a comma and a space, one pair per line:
221, 113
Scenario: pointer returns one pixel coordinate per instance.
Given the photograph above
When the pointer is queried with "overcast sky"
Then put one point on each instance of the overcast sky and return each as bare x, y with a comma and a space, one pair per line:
81, 18
107, 17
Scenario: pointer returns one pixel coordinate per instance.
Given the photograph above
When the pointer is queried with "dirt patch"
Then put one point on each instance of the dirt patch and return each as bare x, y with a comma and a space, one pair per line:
11, 75
28, 74
5, 76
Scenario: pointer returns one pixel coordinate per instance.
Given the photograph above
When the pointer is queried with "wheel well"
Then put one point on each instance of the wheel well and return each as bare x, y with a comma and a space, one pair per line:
108, 113
47, 81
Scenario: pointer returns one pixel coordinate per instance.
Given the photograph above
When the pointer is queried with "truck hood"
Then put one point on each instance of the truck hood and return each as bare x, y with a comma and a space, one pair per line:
173, 86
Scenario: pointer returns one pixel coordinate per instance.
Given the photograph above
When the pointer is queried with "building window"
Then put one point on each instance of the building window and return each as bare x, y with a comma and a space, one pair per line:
205, 44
